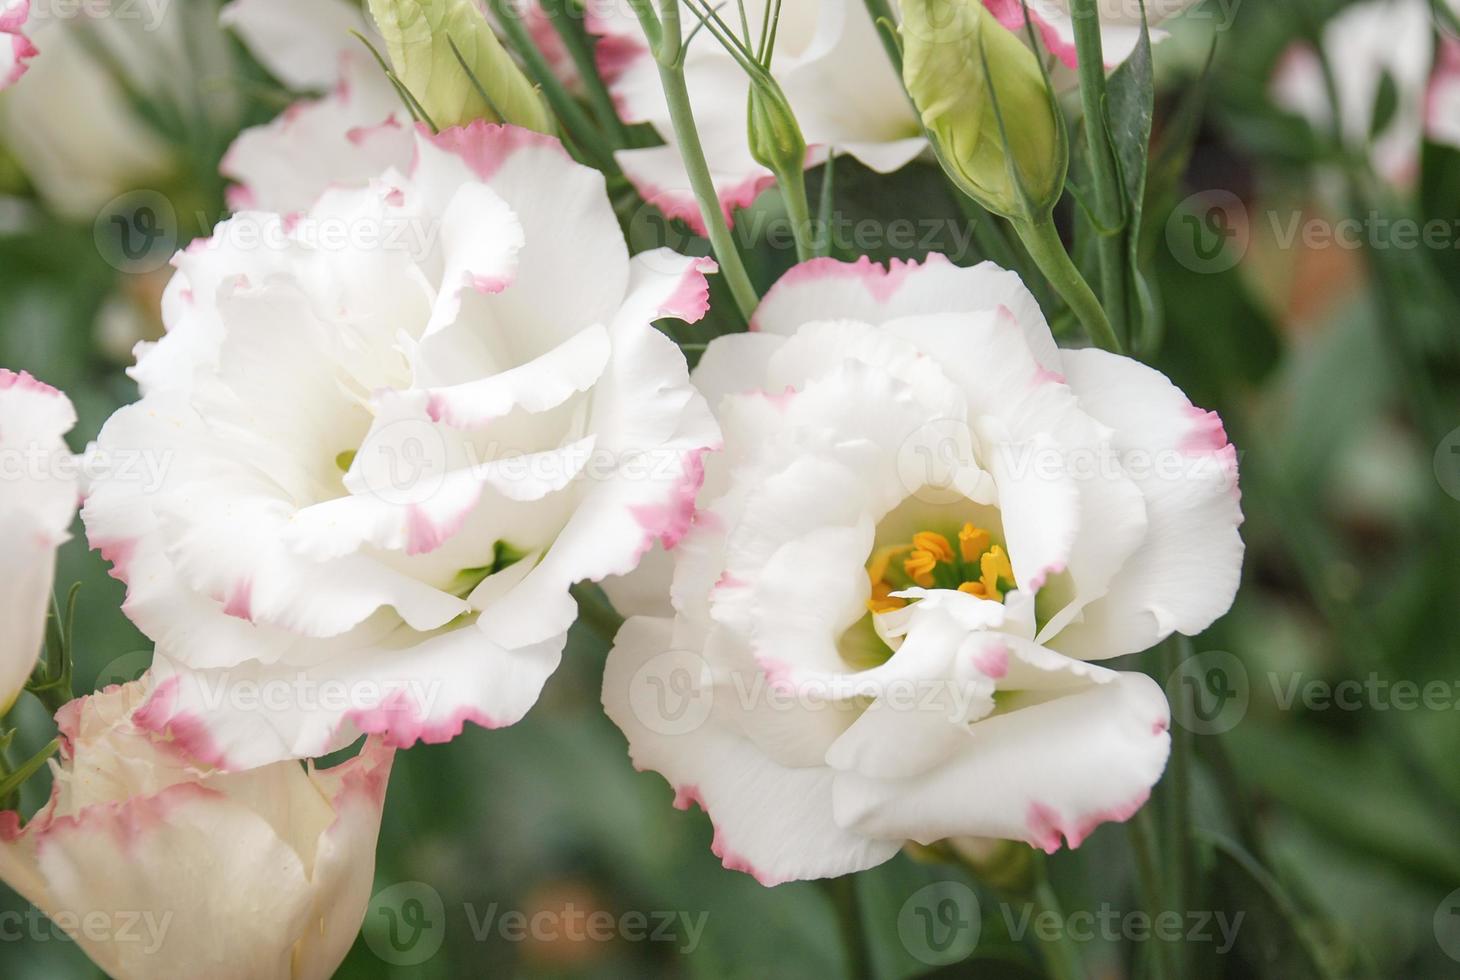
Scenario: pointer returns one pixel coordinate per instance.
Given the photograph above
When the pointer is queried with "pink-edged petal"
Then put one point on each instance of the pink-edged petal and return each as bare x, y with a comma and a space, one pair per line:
346, 138
38, 499
828, 289
1442, 105
1045, 768
771, 821
658, 174
1186, 573
406, 690
16, 52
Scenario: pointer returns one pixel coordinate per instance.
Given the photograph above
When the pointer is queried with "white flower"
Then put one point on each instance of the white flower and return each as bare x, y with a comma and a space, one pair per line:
830, 62
1365, 44
38, 491
357, 129
161, 868
15, 48
1120, 24
391, 433
926, 526
344, 138
73, 126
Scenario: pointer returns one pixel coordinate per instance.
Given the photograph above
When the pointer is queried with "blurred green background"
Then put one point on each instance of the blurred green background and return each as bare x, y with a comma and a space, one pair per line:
1336, 370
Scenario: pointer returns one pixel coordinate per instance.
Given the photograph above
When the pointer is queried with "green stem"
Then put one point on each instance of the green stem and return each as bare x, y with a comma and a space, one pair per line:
798, 209
1042, 240
564, 105
1061, 958
827, 204
881, 10
848, 907
1109, 198
1143, 845
687, 134
580, 49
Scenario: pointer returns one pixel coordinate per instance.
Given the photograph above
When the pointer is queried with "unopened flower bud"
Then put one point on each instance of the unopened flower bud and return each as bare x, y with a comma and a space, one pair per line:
775, 137
419, 35
965, 71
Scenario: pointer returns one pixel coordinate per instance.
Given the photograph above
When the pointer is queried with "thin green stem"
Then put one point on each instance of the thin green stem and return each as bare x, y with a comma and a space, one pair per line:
827, 205
798, 209
564, 105
848, 908
1142, 837
880, 11
1061, 958
687, 135
580, 49
1042, 240
1109, 198
1180, 865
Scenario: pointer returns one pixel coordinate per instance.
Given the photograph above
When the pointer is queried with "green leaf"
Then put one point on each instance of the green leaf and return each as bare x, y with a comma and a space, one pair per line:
1130, 104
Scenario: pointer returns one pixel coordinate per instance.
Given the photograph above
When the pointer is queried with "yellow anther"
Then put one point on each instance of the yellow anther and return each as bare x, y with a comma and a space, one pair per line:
919, 567
974, 589
934, 544
882, 561
995, 565
882, 600
972, 542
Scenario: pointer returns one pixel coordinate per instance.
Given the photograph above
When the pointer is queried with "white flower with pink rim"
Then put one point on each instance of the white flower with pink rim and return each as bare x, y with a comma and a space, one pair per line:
16, 50
1120, 24
38, 497
158, 866
829, 61
927, 528
394, 432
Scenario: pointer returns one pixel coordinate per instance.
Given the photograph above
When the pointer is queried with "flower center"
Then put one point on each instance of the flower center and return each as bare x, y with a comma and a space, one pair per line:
977, 567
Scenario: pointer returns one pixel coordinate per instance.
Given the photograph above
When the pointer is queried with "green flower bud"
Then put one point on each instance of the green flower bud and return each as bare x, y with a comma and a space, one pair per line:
775, 137
419, 35
957, 60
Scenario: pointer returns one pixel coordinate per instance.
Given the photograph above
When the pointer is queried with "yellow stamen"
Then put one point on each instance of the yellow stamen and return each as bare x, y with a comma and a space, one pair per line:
919, 567
934, 544
975, 589
995, 565
882, 600
972, 542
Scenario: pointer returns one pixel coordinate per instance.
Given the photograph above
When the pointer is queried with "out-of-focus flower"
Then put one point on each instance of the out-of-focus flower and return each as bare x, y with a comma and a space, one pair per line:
74, 127
159, 867
1120, 24
1374, 46
15, 48
927, 525
389, 435
38, 492
965, 72
829, 62
420, 34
